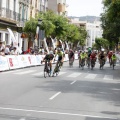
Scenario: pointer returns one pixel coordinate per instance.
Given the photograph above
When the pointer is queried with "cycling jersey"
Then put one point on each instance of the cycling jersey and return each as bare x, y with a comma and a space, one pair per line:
101, 56
59, 54
110, 55
93, 56
49, 57
82, 55
114, 57
71, 54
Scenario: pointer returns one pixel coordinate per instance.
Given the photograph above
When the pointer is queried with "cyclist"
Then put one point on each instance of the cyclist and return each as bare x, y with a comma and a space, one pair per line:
59, 53
49, 58
82, 57
101, 57
60, 56
110, 56
71, 55
93, 56
80, 51
114, 59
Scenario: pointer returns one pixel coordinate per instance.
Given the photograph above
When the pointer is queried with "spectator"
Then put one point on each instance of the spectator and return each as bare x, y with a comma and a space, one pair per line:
32, 51
7, 50
2, 52
1, 46
14, 51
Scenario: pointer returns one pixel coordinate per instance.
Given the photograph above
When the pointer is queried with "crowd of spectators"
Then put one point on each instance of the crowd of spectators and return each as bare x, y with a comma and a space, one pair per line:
8, 50
12, 50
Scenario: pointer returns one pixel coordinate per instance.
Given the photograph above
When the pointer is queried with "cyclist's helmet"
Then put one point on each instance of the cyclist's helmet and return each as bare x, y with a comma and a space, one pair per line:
102, 49
113, 53
83, 51
58, 49
51, 52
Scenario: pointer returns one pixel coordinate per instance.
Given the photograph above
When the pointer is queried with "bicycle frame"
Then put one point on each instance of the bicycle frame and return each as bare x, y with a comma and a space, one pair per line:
82, 63
47, 68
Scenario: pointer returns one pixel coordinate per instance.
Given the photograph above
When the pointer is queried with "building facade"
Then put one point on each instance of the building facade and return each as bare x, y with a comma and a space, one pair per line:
94, 30
58, 6
9, 18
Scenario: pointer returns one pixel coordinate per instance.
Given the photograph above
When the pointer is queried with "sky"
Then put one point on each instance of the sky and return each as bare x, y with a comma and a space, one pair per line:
84, 7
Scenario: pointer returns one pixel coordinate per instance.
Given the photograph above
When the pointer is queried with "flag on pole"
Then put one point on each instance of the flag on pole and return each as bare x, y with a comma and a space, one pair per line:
15, 43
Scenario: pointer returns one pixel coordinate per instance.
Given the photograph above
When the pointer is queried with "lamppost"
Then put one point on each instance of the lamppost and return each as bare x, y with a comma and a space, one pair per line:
39, 31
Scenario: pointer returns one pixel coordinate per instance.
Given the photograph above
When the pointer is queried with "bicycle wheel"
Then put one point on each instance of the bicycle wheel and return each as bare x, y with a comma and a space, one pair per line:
113, 65
45, 73
82, 65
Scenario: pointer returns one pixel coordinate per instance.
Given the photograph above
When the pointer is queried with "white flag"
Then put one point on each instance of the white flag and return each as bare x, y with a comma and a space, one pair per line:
15, 43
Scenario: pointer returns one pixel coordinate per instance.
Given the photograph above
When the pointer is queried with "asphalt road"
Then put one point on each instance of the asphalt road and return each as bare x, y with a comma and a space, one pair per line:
74, 94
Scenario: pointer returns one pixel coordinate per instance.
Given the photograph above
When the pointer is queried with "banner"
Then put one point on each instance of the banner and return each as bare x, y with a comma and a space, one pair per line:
3, 63
12, 62
20, 61
15, 43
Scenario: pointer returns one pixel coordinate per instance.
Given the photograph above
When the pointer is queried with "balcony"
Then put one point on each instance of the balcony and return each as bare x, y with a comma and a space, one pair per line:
9, 15
25, 2
22, 22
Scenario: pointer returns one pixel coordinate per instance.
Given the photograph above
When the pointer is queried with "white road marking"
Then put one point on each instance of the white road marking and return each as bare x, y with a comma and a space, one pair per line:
61, 73
22, 119
38, 74
25, 72
58, 113
74, 75
73, 82
91, 76
108, 77
54, 96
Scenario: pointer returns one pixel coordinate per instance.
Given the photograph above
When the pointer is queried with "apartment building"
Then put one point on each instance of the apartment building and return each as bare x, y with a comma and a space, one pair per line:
9, 17
58, 6
94, 30
33, 7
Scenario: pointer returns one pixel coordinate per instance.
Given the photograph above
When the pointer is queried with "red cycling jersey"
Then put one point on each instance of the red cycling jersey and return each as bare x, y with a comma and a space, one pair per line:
110, 55
93, 56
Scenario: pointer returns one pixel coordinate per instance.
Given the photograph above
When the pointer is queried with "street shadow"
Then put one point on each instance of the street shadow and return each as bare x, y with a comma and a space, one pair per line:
17, 117
103, 91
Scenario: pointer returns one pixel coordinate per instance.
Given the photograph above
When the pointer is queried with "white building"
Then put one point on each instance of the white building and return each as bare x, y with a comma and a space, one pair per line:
58, 6
94, 30
9, 17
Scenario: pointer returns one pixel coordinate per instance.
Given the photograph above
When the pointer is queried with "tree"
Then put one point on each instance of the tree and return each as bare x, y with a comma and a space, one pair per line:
101, 43
110, 21
56, 26
30, 27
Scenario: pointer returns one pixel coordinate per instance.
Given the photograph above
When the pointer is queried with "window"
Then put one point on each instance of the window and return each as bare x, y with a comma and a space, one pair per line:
6, 38
31, 13
14, 5
36, 4
0, 3
8, 4
31, 2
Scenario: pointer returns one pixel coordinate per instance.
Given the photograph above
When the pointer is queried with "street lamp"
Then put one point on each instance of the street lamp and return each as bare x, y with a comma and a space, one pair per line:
39, 33
39, 21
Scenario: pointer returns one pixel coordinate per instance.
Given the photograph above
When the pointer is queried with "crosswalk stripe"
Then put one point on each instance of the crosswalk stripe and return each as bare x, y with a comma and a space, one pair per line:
38, 74
61, 73
108, 77
91, 76
25, 72
73, 75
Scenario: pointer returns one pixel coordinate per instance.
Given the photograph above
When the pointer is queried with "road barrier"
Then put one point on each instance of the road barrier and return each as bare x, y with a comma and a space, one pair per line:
10, 62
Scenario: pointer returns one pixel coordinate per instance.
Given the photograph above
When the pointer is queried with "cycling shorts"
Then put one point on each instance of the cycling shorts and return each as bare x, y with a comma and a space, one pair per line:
59, 58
